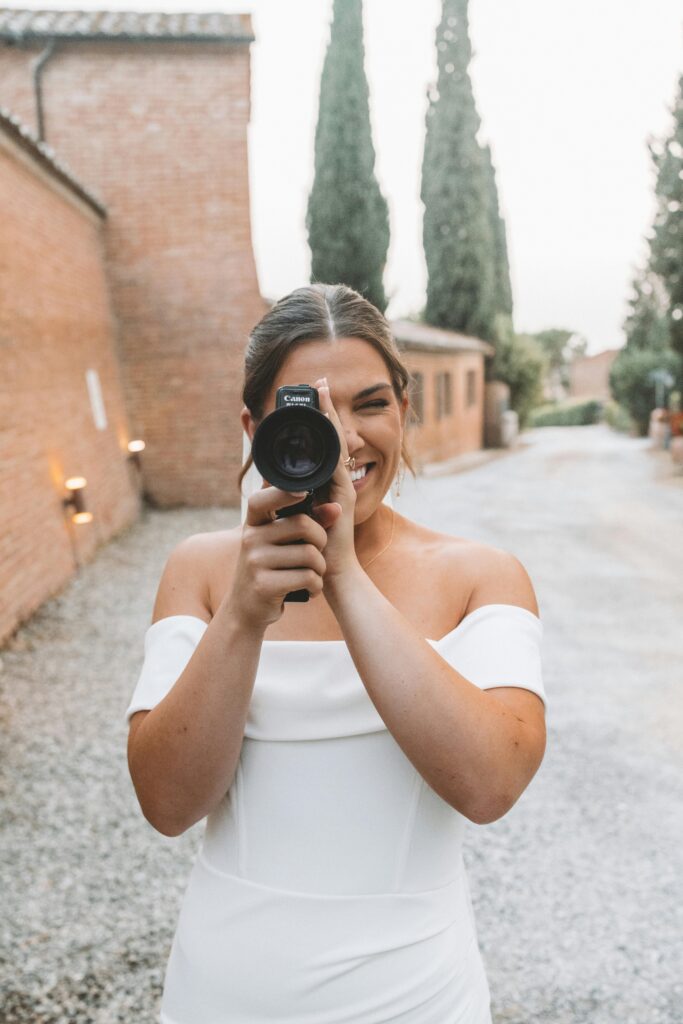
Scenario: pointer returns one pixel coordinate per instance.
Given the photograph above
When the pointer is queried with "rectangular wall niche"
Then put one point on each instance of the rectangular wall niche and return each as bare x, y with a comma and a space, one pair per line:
92, 379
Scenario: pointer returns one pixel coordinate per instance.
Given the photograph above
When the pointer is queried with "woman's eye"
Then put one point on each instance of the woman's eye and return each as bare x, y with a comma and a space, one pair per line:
379, 402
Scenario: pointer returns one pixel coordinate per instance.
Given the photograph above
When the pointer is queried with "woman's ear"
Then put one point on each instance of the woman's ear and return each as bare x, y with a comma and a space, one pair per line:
248, 424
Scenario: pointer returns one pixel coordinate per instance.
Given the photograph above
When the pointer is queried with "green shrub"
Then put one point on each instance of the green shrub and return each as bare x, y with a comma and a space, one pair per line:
520, 362
630, 383
574, 413
619, 418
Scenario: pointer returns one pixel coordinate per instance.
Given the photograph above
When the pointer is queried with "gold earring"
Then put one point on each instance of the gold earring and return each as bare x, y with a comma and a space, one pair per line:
398, 480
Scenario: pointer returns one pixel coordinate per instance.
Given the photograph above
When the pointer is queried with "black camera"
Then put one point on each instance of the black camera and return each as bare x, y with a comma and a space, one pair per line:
296, 447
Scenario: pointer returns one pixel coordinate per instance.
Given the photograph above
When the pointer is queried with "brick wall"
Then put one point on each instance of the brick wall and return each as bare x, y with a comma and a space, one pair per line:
462, 428
16, 85
55, 323
589, 375
159, 130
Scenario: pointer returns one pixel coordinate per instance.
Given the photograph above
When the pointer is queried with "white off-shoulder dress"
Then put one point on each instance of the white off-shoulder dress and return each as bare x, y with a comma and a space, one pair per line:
329, 887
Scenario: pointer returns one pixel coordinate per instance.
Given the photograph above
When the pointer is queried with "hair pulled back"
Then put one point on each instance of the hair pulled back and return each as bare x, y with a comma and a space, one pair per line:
316, 312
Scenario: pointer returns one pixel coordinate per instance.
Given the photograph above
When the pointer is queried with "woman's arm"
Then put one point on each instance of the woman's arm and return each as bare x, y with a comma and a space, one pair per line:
183, 754
471, 748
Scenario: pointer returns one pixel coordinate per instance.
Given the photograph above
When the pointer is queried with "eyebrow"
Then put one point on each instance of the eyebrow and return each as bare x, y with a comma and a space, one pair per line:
371, 390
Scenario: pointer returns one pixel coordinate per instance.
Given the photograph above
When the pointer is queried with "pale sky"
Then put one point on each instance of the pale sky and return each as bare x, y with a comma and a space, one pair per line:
568, 92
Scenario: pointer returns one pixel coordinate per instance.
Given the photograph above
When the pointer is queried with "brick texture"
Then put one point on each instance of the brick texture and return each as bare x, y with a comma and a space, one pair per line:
159, 131
459, 430
589, 376
16, 83
56, 322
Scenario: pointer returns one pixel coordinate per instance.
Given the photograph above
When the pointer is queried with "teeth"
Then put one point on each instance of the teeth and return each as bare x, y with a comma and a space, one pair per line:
358, 474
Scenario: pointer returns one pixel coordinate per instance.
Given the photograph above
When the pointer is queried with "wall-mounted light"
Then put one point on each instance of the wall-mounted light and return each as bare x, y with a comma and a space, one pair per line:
75, 499
134, 449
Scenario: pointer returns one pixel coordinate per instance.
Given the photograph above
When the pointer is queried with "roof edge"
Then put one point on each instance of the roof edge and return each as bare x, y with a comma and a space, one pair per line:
416, 335
19, 25
121, 37
16, 130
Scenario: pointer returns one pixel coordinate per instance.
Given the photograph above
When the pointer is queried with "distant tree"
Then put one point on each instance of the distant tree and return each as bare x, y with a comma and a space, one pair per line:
647, 323
561, 347
667, 238
632, 380
457, 233
647, 352
347, 216
502, 293
521, 363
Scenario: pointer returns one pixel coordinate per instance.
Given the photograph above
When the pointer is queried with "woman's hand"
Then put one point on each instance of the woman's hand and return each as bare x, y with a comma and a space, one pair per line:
269, 564
336, 515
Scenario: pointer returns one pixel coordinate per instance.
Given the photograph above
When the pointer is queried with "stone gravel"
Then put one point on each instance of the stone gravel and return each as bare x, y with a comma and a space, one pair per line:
577, 890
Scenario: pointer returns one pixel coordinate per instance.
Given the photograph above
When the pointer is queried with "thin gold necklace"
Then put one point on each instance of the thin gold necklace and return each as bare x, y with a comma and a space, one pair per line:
393, 521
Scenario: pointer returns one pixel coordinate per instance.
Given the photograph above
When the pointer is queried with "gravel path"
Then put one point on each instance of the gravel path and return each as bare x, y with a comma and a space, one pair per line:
577, 890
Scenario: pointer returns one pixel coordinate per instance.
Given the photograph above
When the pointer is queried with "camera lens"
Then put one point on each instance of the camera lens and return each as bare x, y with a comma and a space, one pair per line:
297, 449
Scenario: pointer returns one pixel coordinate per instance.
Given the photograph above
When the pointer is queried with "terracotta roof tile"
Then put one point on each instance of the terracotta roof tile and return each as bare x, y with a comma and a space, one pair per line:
413, 335
16, 24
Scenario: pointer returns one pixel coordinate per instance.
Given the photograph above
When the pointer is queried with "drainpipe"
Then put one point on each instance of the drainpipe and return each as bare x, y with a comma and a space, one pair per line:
37, 85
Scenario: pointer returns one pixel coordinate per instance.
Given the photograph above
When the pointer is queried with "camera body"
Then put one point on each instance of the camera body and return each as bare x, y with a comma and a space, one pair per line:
296, 448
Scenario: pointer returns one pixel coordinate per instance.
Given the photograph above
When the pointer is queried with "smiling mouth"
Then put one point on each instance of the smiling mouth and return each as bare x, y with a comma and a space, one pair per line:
361, 472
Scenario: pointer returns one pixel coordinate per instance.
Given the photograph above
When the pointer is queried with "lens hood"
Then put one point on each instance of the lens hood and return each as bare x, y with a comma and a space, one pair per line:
296, 448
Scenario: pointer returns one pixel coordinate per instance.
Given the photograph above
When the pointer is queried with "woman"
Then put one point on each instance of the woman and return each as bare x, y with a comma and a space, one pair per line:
337, 747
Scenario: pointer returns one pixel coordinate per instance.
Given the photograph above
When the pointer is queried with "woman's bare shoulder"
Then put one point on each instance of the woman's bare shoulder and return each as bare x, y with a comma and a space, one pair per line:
221, 541
219, 551
448, 545
459, 563
488, 574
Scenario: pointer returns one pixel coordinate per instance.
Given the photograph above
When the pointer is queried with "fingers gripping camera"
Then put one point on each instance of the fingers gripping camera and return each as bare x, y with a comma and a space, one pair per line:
296, 448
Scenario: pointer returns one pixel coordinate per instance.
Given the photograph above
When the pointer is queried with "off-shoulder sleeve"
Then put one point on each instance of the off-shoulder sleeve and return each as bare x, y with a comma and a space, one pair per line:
497, 645
169, 645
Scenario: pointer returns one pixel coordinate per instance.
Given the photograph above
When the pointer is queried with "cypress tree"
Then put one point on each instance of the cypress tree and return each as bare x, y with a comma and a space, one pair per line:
457, 233
646, 325
347, 216
502, 285
667, 239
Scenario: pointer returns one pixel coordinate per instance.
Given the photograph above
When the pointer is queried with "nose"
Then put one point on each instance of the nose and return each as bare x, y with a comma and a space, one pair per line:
353, 439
